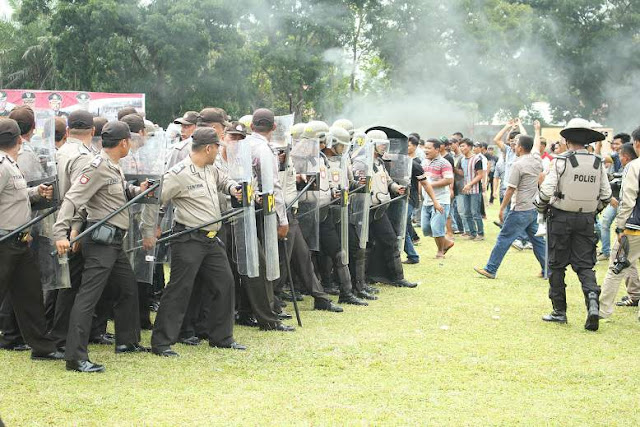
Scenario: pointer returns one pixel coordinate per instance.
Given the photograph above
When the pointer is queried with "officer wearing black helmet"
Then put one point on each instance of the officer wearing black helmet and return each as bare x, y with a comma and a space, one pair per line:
572, 194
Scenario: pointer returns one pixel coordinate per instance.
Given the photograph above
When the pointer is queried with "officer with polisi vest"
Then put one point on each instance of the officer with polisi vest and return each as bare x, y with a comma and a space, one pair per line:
572, 194
386, 253
330, 188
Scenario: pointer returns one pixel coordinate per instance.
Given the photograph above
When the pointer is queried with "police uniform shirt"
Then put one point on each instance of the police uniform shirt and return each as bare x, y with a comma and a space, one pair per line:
628, 194
179, 151
550, 185
259, 148
336, 180
288, 179
29, 163
15, 196
223, 166
101, 189
72, 158
193, 191
382, 183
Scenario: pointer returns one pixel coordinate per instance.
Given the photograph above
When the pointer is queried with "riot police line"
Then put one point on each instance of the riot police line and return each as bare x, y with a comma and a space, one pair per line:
246, 214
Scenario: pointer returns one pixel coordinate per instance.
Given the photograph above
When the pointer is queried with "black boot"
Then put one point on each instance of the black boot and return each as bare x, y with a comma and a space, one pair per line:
351, 299
366, 295
593, 313
556, 316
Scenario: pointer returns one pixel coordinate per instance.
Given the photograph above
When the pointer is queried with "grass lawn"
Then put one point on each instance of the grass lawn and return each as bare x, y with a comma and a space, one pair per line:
458, 350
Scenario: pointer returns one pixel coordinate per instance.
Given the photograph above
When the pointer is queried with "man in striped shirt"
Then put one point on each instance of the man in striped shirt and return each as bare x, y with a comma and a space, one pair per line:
470, 167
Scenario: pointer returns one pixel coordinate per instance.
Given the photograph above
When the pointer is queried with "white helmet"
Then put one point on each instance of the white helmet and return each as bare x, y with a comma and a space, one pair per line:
297, 130
246, 120
316, 129
345, 124
380, 141
338, 137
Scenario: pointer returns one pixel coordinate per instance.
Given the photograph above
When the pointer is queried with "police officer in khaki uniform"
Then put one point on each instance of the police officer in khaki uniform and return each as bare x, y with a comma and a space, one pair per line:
101, 189
193, 186
572, 194
72, 158
19, 272
181, 149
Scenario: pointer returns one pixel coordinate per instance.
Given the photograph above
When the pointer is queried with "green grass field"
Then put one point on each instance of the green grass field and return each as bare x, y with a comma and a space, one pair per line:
458, 350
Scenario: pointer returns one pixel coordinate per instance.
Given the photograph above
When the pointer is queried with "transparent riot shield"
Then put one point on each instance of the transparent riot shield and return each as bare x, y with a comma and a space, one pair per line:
270, 224
398, 164
245, 233
37, 162
360, 200
146, 161
344, 207
305, 155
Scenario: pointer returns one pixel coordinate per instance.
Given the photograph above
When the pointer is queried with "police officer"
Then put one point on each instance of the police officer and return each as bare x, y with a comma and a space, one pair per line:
573, 193
330, 244
101, 189
72, 158
182, 148
19, 272
193, 186
381, 231
297, 252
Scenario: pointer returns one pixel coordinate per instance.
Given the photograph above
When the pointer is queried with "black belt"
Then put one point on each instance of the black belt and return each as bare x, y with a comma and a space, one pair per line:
22, 237
205, 233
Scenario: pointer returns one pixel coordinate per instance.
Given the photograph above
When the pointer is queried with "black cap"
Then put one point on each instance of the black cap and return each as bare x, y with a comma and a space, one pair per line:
115, 131
9, 131
28, 95
214, 115
98, 123
203, 136
126, 110
236, 128
263, 117
55, 97
189, 118
135, 122
80, 119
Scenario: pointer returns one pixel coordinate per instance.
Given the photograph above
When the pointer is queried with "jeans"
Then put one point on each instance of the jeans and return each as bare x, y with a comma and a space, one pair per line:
408, 242
460, 206
608, 215
455, 216
523, 236
472, 214
514, 225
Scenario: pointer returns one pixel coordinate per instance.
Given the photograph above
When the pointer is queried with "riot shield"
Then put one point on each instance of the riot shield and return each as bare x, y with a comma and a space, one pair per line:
398, 164
37, 162
305, 155
360, 200
146, 161
270, 224
344, 207
244, 225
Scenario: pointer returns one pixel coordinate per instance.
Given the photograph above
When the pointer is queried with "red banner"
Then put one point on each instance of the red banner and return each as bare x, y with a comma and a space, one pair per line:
64, 102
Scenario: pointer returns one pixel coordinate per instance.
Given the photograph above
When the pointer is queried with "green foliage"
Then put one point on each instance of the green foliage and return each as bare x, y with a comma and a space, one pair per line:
314, 56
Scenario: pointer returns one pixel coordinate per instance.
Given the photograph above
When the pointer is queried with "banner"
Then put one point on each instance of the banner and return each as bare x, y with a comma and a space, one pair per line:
64, 102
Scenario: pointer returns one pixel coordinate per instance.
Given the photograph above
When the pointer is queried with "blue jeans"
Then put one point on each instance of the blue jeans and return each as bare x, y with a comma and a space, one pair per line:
462, 225
608, 215
456, 220
408, 243
472, 214
523, 236
515, 224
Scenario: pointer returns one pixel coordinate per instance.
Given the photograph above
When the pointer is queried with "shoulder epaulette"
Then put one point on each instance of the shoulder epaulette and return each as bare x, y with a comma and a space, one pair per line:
178, 168
96, 162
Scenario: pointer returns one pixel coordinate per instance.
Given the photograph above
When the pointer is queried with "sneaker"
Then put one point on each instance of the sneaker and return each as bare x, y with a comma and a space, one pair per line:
603, 257
528, 245
470, 237
517, 244
542, 230
479, 237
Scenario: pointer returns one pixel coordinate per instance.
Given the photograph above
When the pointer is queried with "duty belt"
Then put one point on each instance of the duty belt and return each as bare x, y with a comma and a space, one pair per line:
205, 233
119, 233
22, 237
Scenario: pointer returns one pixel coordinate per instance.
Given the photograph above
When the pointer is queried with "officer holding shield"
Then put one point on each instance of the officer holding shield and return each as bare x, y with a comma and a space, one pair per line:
101, 189
19, 272
193, 186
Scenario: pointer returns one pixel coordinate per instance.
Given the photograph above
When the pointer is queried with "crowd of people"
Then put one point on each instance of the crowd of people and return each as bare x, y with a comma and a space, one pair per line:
250, 217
